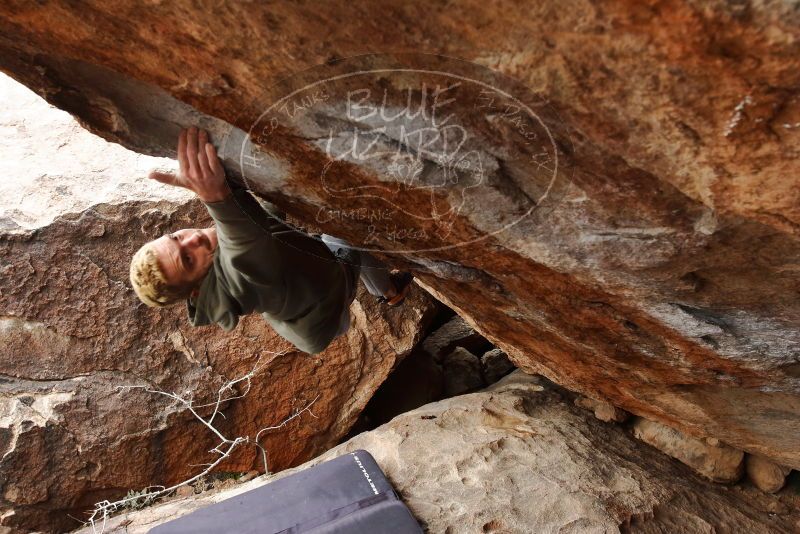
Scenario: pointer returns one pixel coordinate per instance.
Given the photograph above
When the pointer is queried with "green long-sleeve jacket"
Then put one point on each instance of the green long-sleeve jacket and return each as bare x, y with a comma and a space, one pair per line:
263, 266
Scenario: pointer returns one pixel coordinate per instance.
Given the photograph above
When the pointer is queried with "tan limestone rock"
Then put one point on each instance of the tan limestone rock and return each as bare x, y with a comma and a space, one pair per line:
765, 474
605, 411
519, 458
462, 372
719, 462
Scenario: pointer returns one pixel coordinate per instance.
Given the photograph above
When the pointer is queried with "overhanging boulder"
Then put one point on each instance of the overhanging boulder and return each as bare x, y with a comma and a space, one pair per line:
655, 267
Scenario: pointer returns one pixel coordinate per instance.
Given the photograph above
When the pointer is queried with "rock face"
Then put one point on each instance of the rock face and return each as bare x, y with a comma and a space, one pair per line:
495, 365
764, 474
519, 458
646, 154
462, 372
451, 335
714, 460
67, 351
72, 333
603, 410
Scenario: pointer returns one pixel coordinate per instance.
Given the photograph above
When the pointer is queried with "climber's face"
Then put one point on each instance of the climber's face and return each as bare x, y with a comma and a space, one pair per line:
186, 255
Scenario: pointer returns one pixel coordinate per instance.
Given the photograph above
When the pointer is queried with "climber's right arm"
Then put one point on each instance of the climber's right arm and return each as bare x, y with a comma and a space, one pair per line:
199, 167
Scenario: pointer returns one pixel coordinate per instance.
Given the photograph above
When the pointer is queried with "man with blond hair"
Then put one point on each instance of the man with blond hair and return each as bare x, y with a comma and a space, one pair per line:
251, 262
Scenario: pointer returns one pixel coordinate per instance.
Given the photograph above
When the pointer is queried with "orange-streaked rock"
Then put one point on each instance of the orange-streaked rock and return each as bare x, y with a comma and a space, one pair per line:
660, 274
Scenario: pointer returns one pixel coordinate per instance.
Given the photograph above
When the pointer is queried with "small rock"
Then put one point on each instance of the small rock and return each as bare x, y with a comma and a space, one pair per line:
247, 477
605, 411
96, 229
184, 491
719, 464
462, 372
765, 474
225, 484
777, 507
496, 365
454, 333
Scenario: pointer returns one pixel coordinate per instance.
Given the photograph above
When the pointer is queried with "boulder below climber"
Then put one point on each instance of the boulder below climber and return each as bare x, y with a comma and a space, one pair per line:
519, 457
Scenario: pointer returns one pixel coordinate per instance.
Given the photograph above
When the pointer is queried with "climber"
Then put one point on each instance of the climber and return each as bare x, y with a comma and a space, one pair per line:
251, 262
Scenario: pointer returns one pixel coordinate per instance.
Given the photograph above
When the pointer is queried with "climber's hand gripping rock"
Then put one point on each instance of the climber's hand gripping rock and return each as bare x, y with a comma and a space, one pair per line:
200, 168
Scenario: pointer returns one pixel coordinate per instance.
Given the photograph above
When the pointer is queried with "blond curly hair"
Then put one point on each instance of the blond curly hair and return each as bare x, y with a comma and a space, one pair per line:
149, 282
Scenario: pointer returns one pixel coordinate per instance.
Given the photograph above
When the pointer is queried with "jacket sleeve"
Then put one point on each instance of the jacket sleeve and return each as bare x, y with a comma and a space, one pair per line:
248, 265
213, 305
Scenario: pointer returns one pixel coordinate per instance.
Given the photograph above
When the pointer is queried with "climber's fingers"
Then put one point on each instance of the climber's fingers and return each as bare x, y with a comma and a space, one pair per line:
165, 178
202, 156
182, 159
213, 160
200, 168
191, 152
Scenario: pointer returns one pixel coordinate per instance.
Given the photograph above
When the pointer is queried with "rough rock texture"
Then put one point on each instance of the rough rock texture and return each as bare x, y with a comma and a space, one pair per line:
454, 333
72, 332
710, 458
495, 365
66, 351
659, 267
462, 372
605, 411
520, 458
765, 474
